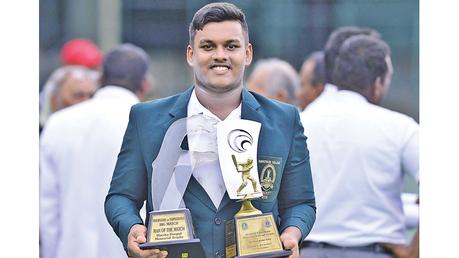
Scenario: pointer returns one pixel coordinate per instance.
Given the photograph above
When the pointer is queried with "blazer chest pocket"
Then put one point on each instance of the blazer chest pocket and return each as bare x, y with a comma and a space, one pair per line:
270, 174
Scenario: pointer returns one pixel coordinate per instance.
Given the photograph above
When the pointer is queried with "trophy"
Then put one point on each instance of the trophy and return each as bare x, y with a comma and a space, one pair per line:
172, 231
251, 234
170, 225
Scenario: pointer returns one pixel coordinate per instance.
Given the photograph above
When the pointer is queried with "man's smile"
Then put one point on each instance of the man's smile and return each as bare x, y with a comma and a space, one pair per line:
220, 68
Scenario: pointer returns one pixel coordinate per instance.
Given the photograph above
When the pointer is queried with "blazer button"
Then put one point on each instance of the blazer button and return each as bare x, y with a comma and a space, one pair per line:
218, 221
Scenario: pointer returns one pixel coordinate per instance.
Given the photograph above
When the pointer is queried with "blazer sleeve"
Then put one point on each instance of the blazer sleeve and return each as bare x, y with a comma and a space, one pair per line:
128, 188
296, 195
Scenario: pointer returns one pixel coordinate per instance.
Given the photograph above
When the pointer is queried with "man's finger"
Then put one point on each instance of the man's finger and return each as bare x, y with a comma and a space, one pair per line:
140, 239
289, 244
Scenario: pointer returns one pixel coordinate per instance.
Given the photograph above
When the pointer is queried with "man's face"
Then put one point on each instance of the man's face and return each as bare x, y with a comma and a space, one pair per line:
74, 89
307, 93
219, 55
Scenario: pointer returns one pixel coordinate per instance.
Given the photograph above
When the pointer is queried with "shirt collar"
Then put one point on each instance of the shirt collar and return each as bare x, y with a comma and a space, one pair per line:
195, 107
331, 87
112, 91
352, 96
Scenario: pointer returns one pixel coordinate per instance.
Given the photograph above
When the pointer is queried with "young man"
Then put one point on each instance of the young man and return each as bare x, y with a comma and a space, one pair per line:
218, 52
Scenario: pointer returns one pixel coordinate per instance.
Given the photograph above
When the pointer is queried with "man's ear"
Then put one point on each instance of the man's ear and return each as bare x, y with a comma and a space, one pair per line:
377, 91
282, 95
318, 89
144, 89
189, 55
53, 102
248, 54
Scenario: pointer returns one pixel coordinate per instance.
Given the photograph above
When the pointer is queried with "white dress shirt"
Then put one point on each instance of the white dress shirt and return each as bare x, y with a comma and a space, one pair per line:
203, 140
78, 151
326, 95
359, 153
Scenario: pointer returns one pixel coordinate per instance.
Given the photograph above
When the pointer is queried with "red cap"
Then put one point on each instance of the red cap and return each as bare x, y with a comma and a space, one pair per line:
81, 52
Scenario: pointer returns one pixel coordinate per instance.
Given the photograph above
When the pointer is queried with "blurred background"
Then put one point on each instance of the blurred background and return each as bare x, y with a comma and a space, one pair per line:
289, 30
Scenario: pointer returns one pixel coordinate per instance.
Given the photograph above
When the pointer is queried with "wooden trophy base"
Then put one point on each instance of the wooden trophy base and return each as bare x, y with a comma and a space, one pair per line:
276, 254
179, 248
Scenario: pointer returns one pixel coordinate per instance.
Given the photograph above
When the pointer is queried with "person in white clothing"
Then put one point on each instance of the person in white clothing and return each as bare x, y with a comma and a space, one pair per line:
78, 151
331, 49
359, 154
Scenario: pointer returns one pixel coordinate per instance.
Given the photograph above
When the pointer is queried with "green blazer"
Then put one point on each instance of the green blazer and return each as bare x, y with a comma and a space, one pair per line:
288, 190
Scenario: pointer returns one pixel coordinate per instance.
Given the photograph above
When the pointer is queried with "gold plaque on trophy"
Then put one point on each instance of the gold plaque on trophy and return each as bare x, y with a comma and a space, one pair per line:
169, 226
257, 234
253, 234
172, 231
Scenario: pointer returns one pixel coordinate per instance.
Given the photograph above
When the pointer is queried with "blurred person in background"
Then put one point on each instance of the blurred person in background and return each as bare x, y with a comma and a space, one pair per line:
78, 151
67, 86
82, 52
331, 49
359, 155
312, 76
275, 79
71, 83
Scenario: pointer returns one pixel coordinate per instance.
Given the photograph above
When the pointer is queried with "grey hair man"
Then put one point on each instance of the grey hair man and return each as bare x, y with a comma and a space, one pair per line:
275, 79
67, 86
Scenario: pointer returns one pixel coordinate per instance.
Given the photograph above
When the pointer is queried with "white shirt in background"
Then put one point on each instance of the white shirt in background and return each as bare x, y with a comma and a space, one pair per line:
78, 150
359, 153
326, 95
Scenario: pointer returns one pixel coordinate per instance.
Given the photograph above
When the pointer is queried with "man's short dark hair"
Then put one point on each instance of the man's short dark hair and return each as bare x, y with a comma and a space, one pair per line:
361, 60
217, 12
318, 74
125, 66
334, 42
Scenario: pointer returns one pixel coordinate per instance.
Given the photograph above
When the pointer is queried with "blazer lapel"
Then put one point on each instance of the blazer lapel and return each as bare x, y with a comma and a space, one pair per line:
179, 110
250, 107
